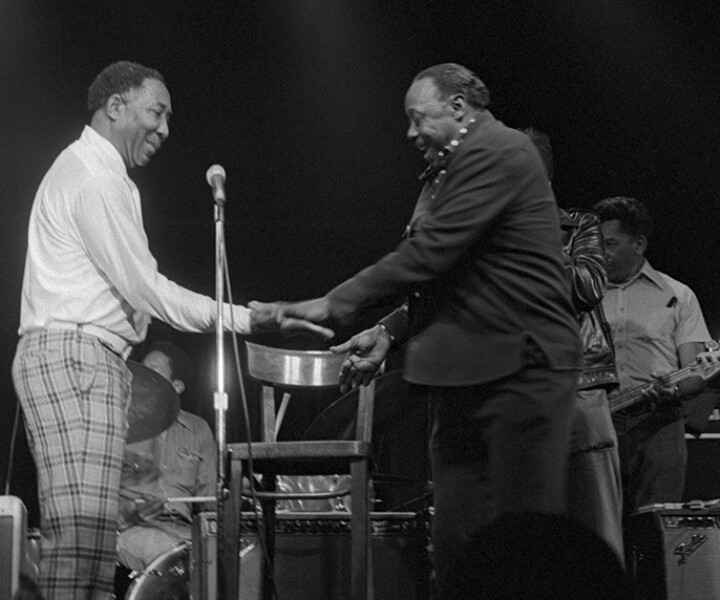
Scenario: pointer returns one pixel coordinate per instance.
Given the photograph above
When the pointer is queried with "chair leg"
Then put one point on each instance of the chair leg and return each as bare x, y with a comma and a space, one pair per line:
360, 579
228, 546
268, 507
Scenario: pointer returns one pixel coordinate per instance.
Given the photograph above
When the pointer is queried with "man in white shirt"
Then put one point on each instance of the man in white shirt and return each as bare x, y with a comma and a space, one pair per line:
89, 291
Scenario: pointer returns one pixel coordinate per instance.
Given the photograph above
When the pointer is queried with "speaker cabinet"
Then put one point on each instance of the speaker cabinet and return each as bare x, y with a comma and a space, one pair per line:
702, 474
13, 531
312, 556
673, 553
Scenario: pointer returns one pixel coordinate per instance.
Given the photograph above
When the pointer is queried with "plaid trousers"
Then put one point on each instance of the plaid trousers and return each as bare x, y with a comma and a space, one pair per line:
75, 393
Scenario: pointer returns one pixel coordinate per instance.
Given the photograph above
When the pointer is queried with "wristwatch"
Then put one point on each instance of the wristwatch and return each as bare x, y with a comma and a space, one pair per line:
384, 329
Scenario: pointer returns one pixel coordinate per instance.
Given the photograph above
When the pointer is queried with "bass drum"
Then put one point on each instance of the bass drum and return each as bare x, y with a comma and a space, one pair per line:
165, 578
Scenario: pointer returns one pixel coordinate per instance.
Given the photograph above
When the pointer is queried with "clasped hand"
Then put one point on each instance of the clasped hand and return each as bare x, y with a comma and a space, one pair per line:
275, 316
366, 351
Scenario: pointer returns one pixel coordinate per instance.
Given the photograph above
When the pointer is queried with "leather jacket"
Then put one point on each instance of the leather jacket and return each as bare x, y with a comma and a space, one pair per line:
585, 265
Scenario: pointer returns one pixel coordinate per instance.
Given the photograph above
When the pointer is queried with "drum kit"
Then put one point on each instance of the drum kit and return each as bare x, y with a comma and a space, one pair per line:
165, 578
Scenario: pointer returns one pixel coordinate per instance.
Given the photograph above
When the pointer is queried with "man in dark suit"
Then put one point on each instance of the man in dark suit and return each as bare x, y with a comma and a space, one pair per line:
489, 324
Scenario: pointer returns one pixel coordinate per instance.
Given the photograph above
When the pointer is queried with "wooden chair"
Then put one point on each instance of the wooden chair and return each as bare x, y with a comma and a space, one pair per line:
288, 371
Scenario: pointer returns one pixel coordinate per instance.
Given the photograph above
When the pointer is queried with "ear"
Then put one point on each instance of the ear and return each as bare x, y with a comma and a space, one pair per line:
179, 386
459, 106
641, 242
114, 106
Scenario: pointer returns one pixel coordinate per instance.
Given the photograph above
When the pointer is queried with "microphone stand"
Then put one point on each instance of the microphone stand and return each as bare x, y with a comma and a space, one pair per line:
220, 397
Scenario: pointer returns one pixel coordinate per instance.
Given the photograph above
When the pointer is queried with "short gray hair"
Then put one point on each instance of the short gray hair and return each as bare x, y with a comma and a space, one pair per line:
451, 78
118, 78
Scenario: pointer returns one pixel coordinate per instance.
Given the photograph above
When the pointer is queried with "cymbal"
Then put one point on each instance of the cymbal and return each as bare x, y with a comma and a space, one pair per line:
154, 404
337, 421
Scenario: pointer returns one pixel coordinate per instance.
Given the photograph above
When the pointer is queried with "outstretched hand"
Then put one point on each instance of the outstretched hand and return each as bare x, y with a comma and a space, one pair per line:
317, 310
269, 317
367, 351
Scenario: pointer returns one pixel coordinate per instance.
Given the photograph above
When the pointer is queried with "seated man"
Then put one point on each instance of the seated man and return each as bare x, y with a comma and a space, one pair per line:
180, 462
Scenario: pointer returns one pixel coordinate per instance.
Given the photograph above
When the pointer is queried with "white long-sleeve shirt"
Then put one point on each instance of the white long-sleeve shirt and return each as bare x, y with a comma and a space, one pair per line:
88, 260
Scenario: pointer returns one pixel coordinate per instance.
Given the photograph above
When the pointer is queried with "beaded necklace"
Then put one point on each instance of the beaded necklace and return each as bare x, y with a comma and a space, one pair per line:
435, 172
437, 168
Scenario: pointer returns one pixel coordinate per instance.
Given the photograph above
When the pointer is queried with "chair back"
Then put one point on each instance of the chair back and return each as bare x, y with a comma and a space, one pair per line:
286, 368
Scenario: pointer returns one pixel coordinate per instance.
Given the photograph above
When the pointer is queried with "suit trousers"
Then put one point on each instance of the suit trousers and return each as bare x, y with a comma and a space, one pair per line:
497, 448
75, 393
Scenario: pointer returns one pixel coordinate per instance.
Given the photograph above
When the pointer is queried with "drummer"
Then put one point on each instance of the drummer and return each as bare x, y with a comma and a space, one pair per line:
177, 463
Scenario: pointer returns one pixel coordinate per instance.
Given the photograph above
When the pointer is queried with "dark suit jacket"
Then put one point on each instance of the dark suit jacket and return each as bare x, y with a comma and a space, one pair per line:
482, 267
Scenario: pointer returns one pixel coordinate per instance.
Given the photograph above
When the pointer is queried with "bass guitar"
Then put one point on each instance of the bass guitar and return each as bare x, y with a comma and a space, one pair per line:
704, 370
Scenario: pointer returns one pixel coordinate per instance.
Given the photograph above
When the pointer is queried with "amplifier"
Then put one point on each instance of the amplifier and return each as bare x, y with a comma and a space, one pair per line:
702, 474
312, 556
673, 552
13, 531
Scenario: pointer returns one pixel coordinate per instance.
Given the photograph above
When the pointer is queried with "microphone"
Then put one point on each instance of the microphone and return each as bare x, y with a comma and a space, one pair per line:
216, 180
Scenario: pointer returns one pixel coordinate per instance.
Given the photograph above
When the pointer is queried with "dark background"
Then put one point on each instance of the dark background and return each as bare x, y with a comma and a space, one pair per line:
302, 103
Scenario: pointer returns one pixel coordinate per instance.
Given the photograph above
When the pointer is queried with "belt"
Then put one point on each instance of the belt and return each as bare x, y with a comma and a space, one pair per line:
648, 419
118, 345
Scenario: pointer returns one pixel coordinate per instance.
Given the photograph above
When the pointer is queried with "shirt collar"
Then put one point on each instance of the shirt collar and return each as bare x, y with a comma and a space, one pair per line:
184, 419
646, 272
104, 147
653, 275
